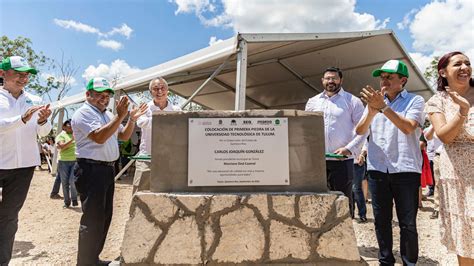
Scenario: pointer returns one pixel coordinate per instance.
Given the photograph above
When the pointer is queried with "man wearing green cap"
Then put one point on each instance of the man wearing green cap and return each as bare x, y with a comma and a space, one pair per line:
393, 116
22, 118
96, 132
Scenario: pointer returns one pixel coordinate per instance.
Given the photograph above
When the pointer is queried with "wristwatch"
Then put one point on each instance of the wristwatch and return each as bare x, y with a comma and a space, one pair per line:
384, 109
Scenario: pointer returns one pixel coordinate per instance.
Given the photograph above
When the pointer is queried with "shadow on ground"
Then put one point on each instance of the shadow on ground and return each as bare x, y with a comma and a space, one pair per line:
21, 249
372, 254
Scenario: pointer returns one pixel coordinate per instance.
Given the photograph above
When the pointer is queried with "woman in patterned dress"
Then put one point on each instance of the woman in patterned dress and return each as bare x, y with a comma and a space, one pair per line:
452, 114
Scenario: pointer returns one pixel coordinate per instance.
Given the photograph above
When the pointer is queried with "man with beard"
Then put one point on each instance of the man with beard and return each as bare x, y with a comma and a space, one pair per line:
96, 132
342, 111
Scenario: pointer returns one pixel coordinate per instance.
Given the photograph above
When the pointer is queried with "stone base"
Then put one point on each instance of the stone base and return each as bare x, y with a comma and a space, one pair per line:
260, 228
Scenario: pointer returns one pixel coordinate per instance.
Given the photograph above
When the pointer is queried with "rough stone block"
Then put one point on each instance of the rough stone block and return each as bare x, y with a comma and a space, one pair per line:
315, 208
260, 201
181, 242
242, 238
284, 205
218, 203
339, 243
288, 242
162, 208
140, 235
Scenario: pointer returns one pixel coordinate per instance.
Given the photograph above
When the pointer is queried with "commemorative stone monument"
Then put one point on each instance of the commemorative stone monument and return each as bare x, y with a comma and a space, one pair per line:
239, 188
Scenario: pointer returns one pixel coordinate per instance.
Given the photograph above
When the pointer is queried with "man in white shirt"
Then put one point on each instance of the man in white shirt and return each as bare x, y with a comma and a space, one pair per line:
159, 91
22, 118
96, 132
342, 111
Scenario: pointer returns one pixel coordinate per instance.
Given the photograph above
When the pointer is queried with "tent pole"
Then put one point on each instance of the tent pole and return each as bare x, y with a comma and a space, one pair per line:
215, 73
54, 163
241, 76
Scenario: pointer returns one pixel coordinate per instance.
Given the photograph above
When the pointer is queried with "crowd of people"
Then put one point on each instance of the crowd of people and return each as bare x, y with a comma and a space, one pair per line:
377, 145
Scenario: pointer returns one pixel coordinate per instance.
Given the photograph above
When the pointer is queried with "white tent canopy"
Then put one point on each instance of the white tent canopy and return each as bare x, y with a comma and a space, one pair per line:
274, 71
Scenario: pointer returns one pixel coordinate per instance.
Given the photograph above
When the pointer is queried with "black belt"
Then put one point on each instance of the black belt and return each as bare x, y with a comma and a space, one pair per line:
84, 160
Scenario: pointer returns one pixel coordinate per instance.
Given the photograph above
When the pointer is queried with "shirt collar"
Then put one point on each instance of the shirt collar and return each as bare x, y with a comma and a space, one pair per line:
402, 94
7, 93
155, 107
340, 92
95, 108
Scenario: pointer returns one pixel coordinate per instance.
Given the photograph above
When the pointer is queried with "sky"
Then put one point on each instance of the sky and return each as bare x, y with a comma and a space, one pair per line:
117, 38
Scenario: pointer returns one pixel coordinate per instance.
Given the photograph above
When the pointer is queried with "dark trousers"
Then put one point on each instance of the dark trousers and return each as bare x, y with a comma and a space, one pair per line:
15, 184
56, 185
403, 189
357, 192
95, 185
339, 177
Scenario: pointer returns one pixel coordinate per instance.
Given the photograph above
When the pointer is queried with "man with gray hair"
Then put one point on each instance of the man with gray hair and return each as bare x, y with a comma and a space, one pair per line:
159, 92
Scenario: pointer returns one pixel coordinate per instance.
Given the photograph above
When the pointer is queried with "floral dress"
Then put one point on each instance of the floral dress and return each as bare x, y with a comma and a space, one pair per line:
456, 186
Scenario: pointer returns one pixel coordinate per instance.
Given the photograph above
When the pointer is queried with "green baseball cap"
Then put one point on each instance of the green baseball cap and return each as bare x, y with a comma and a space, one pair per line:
17, 63
99, 85
392, 66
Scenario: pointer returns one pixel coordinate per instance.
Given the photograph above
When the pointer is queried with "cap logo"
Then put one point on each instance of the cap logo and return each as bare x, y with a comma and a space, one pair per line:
17, 61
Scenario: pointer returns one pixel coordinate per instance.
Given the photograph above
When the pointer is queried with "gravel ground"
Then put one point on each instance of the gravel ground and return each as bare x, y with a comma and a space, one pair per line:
47, 233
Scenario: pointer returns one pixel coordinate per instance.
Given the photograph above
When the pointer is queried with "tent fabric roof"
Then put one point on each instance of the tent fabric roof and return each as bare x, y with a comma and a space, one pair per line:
283, 70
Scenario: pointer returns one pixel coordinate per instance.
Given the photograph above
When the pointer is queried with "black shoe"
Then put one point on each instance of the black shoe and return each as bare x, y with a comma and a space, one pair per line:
55, 196
75, 203
103, 262
429, 193
434, 215
66, 206
362, 220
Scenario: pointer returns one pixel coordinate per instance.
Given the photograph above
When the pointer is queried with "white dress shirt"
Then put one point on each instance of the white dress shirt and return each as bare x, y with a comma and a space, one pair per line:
144, 122
18, 145
87, 119
342, 112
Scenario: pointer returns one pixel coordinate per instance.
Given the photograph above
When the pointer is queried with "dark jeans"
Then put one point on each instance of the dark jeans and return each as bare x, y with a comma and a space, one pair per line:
432, 188
358, 194
95, 185
339, 178
15, 184
56, 185
403, 189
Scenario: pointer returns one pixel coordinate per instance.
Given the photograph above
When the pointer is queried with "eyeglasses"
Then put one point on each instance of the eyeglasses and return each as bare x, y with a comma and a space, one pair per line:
331, 78
157, 88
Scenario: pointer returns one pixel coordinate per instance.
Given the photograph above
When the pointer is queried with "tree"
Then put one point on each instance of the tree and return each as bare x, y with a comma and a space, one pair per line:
60, 79
431, 72
22, 46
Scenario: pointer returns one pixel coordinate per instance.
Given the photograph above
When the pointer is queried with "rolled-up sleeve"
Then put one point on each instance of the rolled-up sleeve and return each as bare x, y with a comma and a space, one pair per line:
416, 110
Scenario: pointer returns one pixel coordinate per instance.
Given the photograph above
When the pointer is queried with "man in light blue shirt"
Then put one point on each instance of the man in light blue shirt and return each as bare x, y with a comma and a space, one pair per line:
393, 116
96, 132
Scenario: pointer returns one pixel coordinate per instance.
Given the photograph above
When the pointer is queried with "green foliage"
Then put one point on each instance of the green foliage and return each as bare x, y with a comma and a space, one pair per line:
22, 46
431, 72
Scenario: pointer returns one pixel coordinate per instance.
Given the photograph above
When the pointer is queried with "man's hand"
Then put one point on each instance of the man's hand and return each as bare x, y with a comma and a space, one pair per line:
360, 160
43, 114
136, 112
121, 107
29, 113
373, 98
343, 151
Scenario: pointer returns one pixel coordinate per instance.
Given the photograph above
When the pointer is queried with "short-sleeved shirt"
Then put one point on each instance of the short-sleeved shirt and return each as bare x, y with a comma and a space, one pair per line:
85, 120
389, 149
69, 153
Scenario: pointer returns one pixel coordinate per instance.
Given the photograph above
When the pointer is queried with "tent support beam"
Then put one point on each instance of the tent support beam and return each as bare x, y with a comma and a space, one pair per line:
215, 73
298, 76
241, 76
227, 87
54, 163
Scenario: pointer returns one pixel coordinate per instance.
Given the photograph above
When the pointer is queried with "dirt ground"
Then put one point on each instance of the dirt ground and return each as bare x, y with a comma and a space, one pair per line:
48, 233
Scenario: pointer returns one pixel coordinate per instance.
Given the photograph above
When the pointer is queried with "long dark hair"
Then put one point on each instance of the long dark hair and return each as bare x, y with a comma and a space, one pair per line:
443, 63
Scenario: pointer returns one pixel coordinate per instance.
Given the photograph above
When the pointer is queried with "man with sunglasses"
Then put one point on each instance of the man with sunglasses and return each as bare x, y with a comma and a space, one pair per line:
96, 132
159, 91
394, 118
342, 111
22, 118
